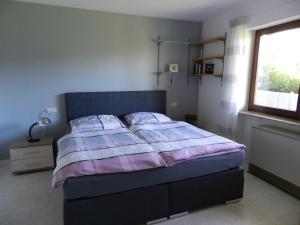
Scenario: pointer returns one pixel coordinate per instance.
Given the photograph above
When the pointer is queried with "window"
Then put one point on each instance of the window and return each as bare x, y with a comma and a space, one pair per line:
275, 80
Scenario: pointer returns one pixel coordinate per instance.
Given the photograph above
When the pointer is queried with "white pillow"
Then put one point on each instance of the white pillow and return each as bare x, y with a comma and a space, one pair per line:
83, 124
146, 118
95, 123
110, 122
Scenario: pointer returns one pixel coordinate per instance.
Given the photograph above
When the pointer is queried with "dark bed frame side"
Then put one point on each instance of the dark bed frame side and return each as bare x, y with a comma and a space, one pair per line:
141, 205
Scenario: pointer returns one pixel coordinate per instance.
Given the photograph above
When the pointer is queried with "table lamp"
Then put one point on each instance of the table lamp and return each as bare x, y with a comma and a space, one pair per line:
43, 122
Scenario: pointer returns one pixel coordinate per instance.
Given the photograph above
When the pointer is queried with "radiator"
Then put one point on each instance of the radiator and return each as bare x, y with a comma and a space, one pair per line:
275, 157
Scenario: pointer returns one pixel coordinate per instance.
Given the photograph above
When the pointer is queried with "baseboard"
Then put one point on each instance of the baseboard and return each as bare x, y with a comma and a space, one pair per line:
157, 221
179, 215
233, 201
275, 180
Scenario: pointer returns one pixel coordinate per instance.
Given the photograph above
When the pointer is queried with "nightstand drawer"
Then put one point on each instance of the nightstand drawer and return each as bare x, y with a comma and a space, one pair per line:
31, 152
31, 164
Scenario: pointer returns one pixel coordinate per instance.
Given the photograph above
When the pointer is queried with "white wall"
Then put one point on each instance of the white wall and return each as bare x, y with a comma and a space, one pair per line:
261, 13
46, 51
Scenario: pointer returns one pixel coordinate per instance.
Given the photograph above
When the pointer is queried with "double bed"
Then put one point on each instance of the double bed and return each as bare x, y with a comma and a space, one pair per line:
136, 197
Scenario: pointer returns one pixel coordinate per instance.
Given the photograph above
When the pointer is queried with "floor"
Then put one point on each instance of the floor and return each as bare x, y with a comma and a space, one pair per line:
29, 200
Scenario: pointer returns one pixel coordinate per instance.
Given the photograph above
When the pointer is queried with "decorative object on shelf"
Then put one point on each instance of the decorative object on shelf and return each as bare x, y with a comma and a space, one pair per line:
173, 68
195, 68
198, 68
209, 68
43, 122
203, 69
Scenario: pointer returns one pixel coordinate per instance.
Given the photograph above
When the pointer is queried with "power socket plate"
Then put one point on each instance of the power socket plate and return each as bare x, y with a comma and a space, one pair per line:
52, 110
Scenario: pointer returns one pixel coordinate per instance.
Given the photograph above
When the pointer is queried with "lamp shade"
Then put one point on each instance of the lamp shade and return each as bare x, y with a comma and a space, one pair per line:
44, 121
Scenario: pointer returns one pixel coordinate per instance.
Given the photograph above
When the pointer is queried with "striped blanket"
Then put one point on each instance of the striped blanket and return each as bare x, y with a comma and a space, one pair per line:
180, 141
99, 152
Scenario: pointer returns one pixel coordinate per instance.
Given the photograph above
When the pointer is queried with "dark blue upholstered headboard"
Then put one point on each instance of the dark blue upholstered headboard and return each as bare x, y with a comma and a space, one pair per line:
117, 103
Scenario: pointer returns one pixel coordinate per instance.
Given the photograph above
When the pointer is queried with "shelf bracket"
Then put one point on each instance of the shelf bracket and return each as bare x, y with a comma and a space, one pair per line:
158, 42
188, 63
222, 80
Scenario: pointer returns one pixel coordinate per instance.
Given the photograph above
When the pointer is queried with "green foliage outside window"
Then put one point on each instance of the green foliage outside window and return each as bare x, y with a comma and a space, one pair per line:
278, 81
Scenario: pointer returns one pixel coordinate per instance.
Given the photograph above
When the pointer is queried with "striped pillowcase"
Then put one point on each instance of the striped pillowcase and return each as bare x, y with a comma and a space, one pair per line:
109, 122
95, 123
140, 118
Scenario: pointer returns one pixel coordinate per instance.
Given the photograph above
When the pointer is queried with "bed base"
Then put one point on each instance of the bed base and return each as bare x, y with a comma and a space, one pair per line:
152, 203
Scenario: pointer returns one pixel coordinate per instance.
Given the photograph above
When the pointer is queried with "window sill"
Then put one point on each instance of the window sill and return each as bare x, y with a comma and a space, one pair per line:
270, 117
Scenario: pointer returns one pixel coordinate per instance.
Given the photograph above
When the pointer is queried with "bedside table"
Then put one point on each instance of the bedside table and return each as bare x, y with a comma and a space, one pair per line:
28, 157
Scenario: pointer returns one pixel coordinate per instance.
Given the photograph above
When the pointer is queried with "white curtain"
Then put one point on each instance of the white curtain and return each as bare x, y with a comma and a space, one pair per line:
236, 76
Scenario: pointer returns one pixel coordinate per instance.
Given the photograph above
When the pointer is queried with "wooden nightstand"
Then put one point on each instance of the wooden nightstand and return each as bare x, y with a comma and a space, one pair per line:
28, 157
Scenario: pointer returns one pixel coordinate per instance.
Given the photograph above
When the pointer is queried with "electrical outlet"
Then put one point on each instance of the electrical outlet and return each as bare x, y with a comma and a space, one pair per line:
174, 104
52, 110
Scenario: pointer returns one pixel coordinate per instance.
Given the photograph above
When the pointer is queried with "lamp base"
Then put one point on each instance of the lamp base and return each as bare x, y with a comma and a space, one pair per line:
33, 140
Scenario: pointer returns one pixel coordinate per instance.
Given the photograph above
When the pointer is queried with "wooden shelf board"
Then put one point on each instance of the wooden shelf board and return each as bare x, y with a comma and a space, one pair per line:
209, 40
207, 74
208, 57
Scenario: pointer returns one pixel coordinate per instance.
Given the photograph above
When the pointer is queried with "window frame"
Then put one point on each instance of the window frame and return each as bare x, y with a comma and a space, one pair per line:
264, 109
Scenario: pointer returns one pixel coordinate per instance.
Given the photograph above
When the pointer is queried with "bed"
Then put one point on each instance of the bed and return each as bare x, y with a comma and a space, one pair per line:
137, 197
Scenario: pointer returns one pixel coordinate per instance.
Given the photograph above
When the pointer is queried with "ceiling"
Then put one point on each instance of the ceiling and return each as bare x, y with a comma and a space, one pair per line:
189, 10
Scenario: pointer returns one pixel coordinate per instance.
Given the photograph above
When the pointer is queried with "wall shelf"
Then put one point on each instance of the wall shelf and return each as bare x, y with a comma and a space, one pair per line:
168, 73
160, 41
198, 43
202, 58
209, 40
207, 74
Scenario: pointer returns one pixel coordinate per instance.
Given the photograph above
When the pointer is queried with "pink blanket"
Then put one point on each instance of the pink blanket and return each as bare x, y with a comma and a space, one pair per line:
99, 152
180, 141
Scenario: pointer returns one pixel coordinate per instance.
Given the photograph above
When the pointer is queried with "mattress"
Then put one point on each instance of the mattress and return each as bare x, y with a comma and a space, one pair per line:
104, 184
